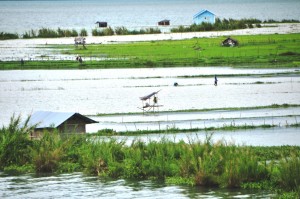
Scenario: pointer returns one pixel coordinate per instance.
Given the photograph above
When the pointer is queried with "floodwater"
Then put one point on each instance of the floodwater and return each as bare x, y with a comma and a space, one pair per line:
278, 136
90, 92
78, 185
187, 120
118, 90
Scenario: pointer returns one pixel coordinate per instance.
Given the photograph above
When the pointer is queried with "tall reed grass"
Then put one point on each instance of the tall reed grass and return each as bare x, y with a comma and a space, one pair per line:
15, 143
197, 162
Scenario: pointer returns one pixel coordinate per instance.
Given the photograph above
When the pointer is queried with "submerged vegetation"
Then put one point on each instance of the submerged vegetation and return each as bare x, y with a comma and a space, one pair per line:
275, 106
196, 163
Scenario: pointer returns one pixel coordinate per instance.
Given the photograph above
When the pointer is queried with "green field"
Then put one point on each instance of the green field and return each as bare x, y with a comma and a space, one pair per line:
263, 51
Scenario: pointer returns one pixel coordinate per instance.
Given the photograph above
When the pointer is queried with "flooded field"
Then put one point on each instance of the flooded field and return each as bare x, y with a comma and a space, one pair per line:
117, 92
251, 137
91, 92
78, 185
188, 120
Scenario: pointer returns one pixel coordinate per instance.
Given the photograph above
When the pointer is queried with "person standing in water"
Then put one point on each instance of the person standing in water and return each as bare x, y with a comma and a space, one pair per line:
216, 80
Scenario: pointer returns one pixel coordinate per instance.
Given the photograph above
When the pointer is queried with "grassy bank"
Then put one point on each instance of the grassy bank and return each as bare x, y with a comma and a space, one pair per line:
197, 162
264, 51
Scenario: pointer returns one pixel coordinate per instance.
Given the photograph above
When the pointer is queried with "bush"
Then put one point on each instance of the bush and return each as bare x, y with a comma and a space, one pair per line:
5, 36
83, 33
289, 173
47, 152
14, 143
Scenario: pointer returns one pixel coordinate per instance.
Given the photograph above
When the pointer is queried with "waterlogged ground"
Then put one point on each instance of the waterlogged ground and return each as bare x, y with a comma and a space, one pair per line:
278, 136
77, 185
201, 120
90, 92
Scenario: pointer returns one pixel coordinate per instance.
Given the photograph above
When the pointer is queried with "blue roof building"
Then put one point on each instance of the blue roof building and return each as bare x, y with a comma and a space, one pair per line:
204, 16
65, 122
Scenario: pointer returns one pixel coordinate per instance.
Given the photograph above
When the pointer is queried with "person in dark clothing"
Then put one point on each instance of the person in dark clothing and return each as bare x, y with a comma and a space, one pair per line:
216, 81
22, 62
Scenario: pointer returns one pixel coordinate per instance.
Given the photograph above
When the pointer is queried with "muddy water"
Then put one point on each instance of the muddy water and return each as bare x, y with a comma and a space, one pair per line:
77, 185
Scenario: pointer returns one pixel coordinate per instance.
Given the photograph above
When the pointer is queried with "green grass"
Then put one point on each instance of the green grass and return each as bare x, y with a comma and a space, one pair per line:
253, 50
263, 51
195, 162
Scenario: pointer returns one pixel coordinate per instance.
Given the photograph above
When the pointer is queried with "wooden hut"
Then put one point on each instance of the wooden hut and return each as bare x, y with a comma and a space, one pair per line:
101, 24
230, 42
164, 22
64, 122
204, 16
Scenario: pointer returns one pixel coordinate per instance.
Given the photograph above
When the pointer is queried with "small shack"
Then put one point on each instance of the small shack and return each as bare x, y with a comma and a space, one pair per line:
230, 42
64, 122
165, 22
101, 24
204, 16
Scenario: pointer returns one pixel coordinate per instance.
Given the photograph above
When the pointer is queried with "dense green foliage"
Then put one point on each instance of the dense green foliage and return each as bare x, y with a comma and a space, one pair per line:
50, 33
5, 36
253, 51
196, 162
14, 143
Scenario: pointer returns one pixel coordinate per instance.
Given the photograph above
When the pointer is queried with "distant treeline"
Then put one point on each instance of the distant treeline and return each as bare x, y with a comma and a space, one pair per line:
4, 36
224, 24
50, 33
220, 24
229, 24
123, 31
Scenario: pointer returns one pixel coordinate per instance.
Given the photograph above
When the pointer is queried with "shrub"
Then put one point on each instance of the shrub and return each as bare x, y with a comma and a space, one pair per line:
14, 143
83, 33
289, 173
5, 36
47, 152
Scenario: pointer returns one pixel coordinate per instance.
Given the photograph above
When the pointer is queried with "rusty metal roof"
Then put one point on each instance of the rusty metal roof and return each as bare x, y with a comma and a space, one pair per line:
47, 119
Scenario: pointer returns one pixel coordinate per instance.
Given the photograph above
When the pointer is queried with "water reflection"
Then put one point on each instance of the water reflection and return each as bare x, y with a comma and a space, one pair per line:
78, 185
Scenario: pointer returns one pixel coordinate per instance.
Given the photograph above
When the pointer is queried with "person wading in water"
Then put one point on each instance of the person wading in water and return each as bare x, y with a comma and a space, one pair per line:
216, 80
